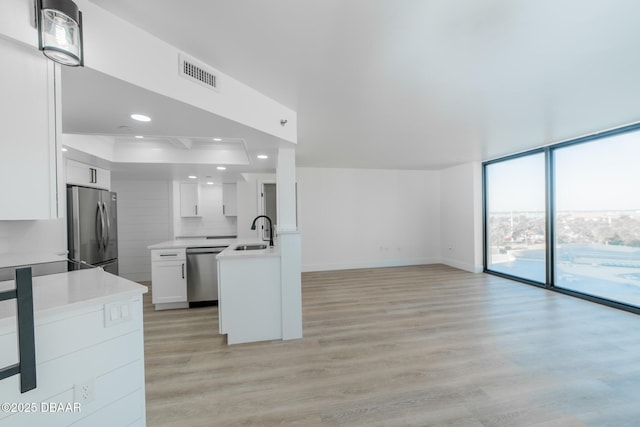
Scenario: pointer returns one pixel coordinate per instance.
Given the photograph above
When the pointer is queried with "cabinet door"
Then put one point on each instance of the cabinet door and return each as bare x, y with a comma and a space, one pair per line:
78, 173
103, 178
87, 175
189, 200
168, 281
222, 326
229, 200
28, 157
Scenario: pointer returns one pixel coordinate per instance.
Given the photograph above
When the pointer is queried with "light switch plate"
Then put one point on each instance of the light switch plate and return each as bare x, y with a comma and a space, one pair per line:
116, 313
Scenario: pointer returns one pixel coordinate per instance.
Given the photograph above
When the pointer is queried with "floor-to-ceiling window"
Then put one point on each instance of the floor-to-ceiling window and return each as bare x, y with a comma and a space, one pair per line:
597, 217
515, 207
568, 217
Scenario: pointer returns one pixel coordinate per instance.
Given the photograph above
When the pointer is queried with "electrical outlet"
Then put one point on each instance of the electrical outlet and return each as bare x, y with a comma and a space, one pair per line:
84, 392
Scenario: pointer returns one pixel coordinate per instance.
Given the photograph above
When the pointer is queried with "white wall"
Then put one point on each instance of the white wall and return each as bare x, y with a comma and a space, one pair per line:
461, 216
211, 222
355, 218
144, 218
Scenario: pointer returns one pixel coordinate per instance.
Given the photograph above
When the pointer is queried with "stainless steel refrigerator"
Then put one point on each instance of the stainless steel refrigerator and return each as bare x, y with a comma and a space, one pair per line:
92, 228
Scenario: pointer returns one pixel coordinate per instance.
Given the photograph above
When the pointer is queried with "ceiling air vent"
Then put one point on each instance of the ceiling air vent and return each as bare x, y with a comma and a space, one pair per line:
197, 72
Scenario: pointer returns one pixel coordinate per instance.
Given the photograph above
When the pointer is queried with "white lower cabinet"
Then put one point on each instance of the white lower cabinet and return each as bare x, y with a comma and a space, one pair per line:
75, 349
168, 277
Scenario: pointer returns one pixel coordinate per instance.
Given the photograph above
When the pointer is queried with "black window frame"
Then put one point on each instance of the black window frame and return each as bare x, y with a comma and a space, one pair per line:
550, 215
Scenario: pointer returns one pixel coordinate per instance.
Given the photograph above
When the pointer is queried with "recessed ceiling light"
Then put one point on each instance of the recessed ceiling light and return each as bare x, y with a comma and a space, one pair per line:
209, 183
221, 168
263, 156
217, 139
141, 117
139, 137
64, 149
193, 177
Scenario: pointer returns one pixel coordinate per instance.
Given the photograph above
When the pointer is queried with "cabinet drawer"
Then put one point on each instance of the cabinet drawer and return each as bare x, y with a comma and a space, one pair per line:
168, 254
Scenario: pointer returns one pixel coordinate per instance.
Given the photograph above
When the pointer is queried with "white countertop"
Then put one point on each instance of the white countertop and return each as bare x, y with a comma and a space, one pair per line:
58, 293
192, 243
231, 253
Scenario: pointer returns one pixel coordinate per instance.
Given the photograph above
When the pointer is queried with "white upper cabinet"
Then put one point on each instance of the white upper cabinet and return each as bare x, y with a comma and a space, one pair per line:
229, 200
190, 200
87, 175
29, 157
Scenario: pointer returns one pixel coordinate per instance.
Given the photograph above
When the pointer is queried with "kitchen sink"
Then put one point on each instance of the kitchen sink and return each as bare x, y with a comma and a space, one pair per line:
253, 247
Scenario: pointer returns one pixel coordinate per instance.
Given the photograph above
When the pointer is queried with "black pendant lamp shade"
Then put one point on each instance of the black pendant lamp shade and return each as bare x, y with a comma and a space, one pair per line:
60, 31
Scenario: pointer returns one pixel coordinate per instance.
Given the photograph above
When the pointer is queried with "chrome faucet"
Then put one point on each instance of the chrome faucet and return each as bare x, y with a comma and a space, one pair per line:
253, 227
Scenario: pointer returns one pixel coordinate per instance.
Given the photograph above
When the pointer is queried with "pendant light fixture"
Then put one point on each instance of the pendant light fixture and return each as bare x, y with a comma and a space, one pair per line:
60, 31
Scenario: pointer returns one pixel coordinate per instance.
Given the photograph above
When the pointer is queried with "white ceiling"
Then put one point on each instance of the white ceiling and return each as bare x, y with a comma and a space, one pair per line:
417, 84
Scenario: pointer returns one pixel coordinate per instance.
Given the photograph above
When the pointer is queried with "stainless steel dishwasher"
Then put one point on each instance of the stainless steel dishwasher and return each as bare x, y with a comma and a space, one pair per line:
202, 275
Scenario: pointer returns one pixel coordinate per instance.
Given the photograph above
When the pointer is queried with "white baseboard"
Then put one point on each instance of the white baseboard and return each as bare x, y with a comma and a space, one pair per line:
461, 265
171, 305
371, 264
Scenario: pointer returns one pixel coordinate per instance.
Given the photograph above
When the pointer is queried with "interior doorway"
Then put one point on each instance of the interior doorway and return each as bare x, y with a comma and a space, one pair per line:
269, 206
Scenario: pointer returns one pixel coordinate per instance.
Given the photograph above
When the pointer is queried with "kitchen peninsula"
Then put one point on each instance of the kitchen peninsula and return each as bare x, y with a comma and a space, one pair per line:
89, 350
249, 285
250, 292
172, 270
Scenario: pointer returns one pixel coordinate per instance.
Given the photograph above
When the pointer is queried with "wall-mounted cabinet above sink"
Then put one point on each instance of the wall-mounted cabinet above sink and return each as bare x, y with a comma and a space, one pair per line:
229, 200
190, 200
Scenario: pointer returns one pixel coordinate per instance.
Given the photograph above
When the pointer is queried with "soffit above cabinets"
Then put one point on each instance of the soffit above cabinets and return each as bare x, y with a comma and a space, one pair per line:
96, 106
146, 171
182, 150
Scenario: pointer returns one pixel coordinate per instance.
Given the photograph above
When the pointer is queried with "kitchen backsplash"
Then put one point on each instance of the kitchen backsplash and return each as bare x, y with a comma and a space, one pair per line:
28, 242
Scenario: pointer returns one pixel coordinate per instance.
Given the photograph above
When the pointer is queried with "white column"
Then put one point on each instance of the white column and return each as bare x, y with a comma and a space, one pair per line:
286, 188
289, 242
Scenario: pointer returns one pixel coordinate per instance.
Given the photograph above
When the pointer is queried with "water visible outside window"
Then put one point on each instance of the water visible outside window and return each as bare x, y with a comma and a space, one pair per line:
516, 217
598, 218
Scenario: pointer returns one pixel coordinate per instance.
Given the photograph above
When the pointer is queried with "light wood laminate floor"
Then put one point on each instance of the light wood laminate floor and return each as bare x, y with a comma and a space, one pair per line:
423, 346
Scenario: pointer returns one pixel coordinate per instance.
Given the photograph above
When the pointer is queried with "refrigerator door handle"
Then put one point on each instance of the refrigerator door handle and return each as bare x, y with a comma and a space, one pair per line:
74, 224
105, 212
100, 230
102, 225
